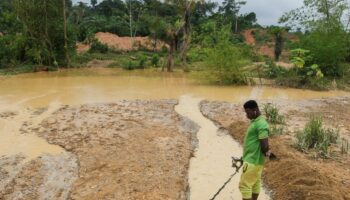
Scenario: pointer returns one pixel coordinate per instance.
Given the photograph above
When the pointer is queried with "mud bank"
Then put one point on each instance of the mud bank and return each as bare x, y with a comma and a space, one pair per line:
296, 176
124, 150
46, 177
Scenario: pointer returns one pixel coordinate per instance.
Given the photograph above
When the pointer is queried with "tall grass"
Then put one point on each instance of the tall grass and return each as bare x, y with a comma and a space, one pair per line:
316, 138
272, 114
276, 120
345, 146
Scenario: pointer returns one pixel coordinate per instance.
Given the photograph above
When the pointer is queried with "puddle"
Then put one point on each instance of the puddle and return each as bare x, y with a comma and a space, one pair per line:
14, 142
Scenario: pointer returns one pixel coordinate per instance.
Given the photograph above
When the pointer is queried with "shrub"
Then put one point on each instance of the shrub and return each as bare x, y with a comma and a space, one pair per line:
275, 119
98, 47
130, 65
155, 60
316, 138
225, 62
272, 114
271, 70
142, 61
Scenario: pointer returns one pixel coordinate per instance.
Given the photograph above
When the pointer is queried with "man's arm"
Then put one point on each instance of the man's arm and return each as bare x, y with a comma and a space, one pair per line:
264, 144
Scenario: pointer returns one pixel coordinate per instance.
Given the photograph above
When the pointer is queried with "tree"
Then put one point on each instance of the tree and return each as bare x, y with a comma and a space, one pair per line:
184, 7
93, 3
326, 36
230, 9
277, 33
171, 37
43, 30
65, 33
225, 61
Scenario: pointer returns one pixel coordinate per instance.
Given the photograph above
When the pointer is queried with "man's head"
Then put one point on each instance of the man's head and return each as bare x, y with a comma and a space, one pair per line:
251, 108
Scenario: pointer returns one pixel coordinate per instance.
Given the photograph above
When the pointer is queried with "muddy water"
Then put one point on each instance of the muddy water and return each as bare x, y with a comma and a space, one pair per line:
211, 165
24, 93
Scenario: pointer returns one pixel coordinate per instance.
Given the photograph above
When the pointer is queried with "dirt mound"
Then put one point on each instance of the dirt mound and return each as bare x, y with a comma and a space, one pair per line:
249, 38
295, 176
118, 43
127, 43
266, 51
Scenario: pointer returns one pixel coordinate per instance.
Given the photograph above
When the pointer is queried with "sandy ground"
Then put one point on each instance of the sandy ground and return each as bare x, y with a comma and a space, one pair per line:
296, 176
125, 150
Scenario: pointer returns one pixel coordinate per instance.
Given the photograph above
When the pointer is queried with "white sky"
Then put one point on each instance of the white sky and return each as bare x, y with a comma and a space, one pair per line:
268, 11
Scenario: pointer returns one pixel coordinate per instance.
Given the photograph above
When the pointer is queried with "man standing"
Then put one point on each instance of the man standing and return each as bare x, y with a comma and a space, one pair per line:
255, 148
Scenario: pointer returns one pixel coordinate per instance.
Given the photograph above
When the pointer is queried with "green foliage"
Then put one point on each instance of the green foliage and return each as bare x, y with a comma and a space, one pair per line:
328, 49
225, 61
130, 65
277, 33
261, 37
12, 49
33, 33
271, 70
316, 138
303, 74
326, 36
142, 61
79, 60
276, 120
272, 114
155, 60
98, 47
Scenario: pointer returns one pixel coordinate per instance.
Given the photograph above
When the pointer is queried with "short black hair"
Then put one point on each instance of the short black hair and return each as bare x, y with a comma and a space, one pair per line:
251, 104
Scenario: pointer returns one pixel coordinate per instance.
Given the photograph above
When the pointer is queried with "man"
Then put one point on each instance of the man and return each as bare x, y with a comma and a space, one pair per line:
255, 148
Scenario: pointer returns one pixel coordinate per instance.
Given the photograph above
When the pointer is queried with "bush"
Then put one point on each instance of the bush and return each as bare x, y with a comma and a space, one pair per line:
98, 47
142, 61
155, 60
12, 50
272, 114
327, 48
130, 65
275, 119
271, 70
225, 61
316, 138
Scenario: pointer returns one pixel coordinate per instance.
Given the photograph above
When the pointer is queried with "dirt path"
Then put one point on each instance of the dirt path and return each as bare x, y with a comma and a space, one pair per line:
211, 165
296, 176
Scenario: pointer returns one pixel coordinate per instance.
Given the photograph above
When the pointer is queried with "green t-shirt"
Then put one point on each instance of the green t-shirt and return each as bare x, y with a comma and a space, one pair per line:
258, 129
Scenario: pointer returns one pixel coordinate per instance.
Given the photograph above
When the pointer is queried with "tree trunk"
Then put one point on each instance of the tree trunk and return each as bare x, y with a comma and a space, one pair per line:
236, 24
47, 38
170, 61
278, 46
187, 37
65, 34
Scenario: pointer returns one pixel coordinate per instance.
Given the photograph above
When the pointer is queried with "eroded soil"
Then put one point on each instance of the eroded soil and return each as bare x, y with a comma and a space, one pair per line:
296, 176
124, 150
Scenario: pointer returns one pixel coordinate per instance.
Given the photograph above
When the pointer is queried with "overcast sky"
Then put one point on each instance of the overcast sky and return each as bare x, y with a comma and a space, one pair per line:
267, 11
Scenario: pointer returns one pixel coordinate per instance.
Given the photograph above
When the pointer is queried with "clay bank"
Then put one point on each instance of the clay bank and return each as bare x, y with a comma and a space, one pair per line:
108, 134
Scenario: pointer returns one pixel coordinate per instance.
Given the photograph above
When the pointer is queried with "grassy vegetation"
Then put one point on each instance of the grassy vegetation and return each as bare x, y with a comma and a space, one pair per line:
315, 138
276, 120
